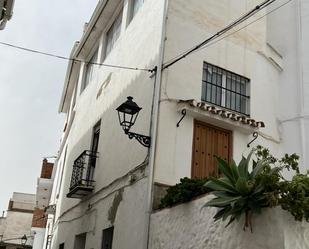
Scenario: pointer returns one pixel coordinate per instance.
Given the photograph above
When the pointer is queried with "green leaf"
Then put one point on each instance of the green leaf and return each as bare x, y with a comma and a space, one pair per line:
222, 213
231, 221
221, 202
234, 170
242, 186
225, 169
244, 165
223, 194
220, 185
258, 168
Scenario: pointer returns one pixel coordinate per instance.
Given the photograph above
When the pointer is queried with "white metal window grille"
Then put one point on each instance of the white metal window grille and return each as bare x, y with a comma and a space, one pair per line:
227, 89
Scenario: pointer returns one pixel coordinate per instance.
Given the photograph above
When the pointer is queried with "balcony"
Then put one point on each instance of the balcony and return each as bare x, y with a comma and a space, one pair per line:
82, 183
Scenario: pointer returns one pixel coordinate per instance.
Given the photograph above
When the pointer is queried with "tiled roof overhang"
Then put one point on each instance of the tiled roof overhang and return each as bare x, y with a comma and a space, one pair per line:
220, 114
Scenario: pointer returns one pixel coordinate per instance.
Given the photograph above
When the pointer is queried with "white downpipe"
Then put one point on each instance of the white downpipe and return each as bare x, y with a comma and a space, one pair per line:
154, 128
301, 82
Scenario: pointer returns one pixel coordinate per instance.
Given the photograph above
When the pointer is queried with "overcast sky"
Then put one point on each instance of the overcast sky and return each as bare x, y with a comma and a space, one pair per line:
31, 85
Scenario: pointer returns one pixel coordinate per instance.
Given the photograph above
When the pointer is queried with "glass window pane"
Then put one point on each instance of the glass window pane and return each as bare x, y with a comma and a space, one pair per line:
209, 74
234, 94
237, 107
238, 86
136, 6
233, 102
219, 95
228, 83
204, 91
243, 87
228, 100
208, 93
113, 34
213, 94
243, 105
90, 69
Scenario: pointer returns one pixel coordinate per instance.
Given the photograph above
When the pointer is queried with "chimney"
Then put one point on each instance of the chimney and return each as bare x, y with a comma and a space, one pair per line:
47, 169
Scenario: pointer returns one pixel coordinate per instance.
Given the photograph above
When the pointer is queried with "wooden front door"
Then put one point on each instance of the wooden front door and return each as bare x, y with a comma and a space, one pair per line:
209, 141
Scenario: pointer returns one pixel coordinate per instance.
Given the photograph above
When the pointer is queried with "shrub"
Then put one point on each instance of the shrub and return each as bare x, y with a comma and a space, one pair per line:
240, 192
184, 191
295, 197
237, 192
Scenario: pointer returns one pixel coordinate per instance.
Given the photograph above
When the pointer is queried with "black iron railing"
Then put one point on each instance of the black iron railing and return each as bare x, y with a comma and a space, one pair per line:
83, 168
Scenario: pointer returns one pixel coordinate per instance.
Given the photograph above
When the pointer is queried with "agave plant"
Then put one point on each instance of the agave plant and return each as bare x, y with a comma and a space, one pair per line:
237, 191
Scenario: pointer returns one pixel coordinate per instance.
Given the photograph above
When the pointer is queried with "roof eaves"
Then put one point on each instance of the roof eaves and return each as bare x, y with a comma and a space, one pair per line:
65, 92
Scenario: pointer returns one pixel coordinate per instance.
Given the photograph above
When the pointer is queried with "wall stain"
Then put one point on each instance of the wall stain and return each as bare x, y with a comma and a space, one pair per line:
112, 212
104, 85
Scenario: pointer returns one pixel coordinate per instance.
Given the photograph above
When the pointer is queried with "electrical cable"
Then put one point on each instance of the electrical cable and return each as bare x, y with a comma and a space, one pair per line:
74, 60
250, 23
238, 21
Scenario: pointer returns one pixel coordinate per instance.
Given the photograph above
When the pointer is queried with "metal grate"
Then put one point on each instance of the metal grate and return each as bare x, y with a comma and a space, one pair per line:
83, 167
226, 89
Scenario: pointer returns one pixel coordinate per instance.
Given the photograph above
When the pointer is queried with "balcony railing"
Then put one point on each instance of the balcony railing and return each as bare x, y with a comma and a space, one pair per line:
82, 182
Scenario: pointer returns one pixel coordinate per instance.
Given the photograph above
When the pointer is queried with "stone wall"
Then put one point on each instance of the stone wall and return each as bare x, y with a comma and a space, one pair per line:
190, 226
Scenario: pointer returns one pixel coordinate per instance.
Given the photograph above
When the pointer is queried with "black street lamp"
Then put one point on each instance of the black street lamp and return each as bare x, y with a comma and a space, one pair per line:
24, 240
127, 114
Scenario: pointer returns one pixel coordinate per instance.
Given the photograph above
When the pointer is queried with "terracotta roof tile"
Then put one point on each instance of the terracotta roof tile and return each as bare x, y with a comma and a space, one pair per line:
224, 113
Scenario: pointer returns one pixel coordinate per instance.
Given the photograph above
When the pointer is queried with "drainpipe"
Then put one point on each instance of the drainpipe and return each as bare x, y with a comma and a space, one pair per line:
301, 82
154, 128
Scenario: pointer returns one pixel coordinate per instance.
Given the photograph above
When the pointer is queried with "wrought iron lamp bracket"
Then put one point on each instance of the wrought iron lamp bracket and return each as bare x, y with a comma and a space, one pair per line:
255, 136
142, 139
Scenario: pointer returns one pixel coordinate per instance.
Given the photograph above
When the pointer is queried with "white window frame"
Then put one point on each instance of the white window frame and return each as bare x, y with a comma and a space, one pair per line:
118, 13
85, 82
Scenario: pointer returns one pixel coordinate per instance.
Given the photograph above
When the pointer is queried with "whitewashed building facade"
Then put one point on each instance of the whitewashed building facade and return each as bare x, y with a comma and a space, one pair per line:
16, 222
254, 80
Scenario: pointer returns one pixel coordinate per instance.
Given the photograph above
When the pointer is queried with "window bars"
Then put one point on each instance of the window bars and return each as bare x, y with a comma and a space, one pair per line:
226, 89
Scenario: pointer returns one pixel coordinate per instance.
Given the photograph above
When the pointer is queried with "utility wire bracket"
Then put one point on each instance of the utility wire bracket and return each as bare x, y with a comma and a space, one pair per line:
184, 113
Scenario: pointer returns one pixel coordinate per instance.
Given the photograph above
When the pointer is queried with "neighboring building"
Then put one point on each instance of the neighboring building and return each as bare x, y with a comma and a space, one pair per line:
43, 194
6, 12
251, 81
17, 222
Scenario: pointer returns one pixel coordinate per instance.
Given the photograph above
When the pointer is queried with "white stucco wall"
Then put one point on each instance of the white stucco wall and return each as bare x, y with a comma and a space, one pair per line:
189, 226
242, 53
245, 53
18, 219
43, 192
2, 224
117, 154
23, 201
38, 239
128, 220
16, 225
91, 107
288, 34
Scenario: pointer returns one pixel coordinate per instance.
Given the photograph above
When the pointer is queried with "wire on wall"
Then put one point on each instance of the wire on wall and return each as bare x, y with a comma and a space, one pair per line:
245, 26
74, 60
232, 25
